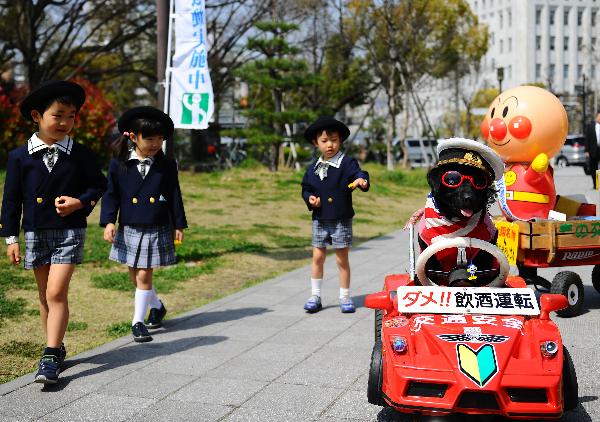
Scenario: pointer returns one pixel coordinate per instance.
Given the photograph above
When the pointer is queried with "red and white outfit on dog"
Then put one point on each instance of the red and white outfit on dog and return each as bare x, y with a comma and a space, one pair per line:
434, 227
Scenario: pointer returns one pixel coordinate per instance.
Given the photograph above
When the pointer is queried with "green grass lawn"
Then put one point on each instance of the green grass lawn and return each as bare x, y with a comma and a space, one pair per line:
246, 225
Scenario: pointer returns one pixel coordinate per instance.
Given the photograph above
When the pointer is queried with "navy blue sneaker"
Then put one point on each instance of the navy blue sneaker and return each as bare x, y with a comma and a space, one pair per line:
156, 316
347, 305
313, 304
63, 354
48, 370
140, 333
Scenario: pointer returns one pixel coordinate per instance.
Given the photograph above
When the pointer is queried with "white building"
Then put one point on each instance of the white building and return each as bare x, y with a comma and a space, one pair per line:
555, 42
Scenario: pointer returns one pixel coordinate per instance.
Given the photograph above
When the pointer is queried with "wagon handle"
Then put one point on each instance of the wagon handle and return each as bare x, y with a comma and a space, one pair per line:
411, 251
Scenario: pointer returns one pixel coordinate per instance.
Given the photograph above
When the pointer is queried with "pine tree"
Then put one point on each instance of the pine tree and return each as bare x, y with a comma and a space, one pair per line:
275, 79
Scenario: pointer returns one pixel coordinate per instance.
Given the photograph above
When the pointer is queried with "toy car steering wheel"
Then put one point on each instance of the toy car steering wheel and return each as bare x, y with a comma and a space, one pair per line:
462, 242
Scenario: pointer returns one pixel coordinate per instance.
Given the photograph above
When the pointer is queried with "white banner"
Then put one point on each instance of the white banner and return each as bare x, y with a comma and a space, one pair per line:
467, 300
190, 91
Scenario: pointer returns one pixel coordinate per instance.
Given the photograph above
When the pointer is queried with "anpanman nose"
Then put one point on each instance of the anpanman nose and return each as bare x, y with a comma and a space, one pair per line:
498, 129
519, 127
485, 128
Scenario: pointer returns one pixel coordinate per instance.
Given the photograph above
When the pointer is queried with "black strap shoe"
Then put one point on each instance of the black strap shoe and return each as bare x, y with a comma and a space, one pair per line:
156, 316
140, 333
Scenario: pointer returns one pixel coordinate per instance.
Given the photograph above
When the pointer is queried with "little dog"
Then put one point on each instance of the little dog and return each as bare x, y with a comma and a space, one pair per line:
462, 190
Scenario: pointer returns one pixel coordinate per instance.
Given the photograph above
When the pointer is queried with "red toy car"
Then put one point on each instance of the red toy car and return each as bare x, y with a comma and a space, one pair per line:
485, 350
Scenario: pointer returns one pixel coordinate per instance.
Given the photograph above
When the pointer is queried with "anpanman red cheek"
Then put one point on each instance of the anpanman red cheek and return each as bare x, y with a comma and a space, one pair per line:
485, 129
498, 129
519, 127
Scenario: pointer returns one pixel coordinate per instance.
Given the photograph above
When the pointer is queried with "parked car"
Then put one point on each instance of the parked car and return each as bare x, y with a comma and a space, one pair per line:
572, 153
421, 152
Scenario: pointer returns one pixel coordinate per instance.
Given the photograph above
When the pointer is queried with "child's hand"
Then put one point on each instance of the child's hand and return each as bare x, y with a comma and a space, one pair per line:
314, 201
12, 251
66, 205
109, 233
360, 183
178, 237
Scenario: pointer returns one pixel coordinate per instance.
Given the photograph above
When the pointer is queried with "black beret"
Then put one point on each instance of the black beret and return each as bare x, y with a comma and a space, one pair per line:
326, 122
51, 89
146, 112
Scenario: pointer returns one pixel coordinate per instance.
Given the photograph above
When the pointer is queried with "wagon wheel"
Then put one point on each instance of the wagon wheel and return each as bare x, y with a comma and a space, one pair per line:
378, 323
374, 393
570, 386
596, 277
568, 284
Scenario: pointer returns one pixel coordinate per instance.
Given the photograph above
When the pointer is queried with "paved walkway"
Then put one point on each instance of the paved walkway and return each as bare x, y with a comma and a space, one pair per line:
256, 356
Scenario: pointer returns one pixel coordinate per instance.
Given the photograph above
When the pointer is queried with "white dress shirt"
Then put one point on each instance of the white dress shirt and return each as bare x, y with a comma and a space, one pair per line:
149, 160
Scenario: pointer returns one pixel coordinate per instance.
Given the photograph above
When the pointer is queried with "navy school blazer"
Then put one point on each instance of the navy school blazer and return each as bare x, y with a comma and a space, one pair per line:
30, 189
336, 196
151, 201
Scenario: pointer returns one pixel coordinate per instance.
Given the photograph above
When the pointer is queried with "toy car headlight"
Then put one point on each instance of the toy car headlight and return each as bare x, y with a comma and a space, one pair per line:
549, 349
399, 344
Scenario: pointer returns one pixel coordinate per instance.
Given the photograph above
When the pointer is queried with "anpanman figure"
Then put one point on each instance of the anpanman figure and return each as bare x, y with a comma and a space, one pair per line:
526, 126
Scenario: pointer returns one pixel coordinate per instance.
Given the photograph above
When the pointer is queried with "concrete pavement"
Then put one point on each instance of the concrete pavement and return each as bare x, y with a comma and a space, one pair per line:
257, 356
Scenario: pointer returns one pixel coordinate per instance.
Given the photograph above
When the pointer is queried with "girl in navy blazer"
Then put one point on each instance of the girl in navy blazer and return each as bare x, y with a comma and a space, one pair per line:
327, 190
143, 195
53, 183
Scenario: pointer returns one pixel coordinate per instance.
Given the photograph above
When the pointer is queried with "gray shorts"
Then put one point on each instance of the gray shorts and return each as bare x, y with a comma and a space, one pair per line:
54, 246
337, 233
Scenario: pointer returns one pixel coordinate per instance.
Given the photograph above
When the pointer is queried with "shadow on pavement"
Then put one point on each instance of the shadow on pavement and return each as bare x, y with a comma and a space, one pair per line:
207, 318
129, 354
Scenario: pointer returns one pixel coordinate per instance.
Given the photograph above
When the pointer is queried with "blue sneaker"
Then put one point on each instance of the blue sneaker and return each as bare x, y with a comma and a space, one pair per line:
48, 370
313, 304
347, 305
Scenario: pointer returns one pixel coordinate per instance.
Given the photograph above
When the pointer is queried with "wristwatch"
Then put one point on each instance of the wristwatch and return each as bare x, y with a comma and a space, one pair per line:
11, 239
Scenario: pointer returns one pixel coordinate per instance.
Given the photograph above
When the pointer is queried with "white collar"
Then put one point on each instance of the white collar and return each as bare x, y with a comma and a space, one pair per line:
35, 144
335, 161
133, 156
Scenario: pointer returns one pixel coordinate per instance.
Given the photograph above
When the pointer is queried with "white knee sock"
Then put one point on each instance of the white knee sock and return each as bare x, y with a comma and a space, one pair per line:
344, 293
154, 300
315, 286
142, 298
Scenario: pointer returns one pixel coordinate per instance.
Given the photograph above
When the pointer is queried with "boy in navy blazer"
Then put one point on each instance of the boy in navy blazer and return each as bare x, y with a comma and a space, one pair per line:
53, 183
327, 190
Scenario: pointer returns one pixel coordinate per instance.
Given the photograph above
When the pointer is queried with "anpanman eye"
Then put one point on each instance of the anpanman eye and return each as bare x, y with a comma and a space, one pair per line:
505, 112
493, 110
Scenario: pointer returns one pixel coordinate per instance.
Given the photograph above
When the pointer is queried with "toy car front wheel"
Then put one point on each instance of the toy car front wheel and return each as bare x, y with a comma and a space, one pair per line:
568, 284
374, 393
378, 323
596, 277
570, 386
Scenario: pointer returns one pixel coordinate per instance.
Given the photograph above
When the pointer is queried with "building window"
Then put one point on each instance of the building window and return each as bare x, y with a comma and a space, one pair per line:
579, 71
594, 15
593, 42
510, 72
501, 46
579, 43
509, 44
551, 15
552, 71
538, 71
566, 17
538, 15
538, 43
566, 71
565, 43
579, 17
493, 39
552, 43
501, 18
593, 71
493, 63
509, 13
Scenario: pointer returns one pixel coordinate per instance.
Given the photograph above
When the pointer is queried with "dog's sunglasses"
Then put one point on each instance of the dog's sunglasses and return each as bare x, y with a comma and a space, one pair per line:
453, 179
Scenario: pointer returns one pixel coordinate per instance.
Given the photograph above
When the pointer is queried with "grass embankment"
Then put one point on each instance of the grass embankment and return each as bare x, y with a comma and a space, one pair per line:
246, 225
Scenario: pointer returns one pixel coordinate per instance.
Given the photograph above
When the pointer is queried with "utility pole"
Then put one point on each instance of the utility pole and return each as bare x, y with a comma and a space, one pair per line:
162, 36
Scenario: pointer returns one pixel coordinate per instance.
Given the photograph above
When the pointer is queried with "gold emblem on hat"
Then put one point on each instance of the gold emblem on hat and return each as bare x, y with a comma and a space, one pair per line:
476, 159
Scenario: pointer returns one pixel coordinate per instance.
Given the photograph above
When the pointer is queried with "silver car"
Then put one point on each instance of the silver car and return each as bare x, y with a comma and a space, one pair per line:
572, 153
